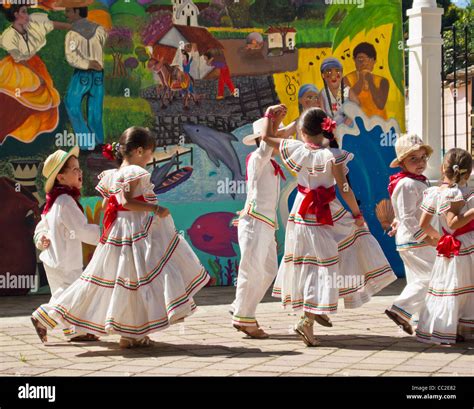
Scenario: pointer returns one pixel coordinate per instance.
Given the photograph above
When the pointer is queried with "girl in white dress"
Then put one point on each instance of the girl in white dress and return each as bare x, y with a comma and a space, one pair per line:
143, 274
329, 252
449, 310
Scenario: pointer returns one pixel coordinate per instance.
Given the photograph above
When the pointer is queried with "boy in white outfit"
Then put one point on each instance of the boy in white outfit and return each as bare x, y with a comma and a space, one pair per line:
414, 246
60, 234
257, 224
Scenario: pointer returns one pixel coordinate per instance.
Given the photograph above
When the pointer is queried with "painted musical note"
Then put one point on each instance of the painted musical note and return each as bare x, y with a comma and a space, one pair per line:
346, 54
290, 88
323, 53
377, 40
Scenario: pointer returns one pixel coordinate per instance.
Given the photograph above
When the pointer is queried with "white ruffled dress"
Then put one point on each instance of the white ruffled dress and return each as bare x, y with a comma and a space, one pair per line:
142, 276
450, 299
321, 262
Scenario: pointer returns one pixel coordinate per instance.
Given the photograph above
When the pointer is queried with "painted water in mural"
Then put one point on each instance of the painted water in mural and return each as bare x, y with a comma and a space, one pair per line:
197, 74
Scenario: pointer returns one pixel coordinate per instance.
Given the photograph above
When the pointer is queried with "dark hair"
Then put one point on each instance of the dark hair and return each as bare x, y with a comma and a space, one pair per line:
209, 54
311, 124
366, 48
457, 163
10, 11
82, 11
134, 138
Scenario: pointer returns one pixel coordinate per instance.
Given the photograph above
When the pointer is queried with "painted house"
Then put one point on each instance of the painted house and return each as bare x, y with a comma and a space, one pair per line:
166, 43
280, 40
185, 13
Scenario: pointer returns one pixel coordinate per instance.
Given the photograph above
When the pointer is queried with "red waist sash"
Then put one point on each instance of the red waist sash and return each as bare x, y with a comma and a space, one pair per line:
449, 245
110, 214
316, 202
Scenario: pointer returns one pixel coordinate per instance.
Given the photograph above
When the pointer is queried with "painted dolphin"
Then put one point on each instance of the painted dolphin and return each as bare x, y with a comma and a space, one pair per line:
218, 146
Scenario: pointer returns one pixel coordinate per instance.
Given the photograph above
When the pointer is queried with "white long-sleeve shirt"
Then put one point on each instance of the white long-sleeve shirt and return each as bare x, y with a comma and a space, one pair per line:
67, 228
406, 200
80, 51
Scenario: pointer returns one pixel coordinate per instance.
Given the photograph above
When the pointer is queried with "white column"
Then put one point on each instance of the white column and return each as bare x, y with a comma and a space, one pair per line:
424, 88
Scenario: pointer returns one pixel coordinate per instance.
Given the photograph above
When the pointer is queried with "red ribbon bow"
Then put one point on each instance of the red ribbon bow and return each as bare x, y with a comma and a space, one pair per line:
110, 214
278, 170
329, 125
108, 152
316, 202
449, 246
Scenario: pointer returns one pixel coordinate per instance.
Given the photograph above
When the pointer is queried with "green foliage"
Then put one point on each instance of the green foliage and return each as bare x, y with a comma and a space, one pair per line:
117, 86
239, 13
374, 14
120, 113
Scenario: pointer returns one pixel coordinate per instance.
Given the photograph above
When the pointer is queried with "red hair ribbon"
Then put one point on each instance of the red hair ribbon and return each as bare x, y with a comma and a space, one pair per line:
329, 125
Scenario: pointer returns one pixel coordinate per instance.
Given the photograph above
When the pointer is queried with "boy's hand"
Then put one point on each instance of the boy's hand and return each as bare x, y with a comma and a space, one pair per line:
360, 222
280, 113
273, 109
44, 243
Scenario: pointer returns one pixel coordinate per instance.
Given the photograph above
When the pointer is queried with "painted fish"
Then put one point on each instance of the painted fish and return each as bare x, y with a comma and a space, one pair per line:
214, 234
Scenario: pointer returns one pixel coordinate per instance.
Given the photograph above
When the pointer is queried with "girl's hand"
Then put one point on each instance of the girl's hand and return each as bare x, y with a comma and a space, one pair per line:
273, 110
359, 220
432, 241
44, 242
394, 228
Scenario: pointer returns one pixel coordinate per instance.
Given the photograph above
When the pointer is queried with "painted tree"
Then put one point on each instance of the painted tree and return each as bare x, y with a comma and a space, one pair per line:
119, 42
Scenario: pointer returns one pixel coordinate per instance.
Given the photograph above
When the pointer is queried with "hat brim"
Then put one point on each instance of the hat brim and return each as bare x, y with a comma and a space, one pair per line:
249, 140
52, 177
396, 163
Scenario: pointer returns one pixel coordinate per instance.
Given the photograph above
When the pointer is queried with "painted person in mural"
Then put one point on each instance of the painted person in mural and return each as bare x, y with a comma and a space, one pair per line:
334, 94
216, 59
84, 45
28, 97
308, 97
368, 90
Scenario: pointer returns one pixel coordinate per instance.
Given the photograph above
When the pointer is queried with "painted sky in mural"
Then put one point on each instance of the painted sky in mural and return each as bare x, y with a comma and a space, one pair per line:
198, 73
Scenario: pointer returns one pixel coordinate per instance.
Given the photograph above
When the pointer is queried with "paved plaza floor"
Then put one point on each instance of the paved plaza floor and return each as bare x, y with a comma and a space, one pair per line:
362, 342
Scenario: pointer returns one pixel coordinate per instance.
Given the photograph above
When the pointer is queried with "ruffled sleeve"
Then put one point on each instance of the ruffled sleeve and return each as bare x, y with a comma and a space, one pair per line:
105, 181
322, 160
429, 204
10, 43
293, 153
448, 196
40, 24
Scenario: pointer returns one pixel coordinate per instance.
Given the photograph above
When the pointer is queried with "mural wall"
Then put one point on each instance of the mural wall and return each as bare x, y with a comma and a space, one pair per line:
197, 73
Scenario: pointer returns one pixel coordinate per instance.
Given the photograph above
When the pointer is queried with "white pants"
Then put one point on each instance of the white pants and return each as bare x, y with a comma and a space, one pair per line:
58, 281
257, 270
418, 266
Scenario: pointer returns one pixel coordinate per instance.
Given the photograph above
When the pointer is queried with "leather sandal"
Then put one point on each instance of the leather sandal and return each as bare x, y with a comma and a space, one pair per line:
40, 330
323, 320
405, 325
126, 343
305, 322
85, 338
259, 334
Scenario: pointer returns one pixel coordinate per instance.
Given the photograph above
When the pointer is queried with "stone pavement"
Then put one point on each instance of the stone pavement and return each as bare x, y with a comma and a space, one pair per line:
362, 342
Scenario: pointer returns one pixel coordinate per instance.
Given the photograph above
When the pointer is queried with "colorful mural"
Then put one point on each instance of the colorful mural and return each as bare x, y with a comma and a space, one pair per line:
197, 74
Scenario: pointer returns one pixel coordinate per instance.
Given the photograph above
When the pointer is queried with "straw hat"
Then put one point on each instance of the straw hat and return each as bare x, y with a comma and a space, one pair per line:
257, 132
407, 144
54, 164
70, 4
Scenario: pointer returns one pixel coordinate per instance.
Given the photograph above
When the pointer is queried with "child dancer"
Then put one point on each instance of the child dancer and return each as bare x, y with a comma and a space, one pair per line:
257, 224
143, 275
449, 306
326, 247
416, 249
60, 233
